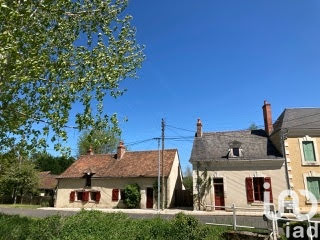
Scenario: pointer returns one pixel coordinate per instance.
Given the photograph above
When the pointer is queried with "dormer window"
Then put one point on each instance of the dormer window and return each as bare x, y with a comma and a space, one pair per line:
88, 180
236, 152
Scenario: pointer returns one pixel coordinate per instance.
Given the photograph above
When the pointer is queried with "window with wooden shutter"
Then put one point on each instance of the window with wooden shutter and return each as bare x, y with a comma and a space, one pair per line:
249, 188
268, 180
72, 196
115, 195
98, 197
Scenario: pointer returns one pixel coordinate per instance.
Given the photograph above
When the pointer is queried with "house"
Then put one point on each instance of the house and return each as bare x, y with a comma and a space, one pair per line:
297, 133
47, 189
238, 167
47, 183
98, 180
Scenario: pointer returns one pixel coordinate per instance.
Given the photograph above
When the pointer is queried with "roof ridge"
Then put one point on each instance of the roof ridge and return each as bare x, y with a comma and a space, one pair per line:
139, 151
230, 131
292, 108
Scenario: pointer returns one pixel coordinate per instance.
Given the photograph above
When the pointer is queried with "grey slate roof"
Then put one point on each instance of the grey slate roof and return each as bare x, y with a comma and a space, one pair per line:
298, 118
214, 146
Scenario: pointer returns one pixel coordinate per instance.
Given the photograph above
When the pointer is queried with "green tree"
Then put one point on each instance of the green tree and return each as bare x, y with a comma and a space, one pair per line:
187, 179
102, 141
6, 159
132, 195
55, 54
253, 126
46, 162
19, 179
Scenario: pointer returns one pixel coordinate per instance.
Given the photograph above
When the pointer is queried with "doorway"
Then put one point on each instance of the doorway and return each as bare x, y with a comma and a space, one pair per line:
149, 197
218, 193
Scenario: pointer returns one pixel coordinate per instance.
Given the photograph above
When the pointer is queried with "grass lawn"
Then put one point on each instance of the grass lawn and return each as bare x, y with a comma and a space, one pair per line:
19, 206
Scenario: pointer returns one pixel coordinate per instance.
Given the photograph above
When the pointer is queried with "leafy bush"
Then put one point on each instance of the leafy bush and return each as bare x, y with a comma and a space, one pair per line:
132, 195
94, 225
14, 227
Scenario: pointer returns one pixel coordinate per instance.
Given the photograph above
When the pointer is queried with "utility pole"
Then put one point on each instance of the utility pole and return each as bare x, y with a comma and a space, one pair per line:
159, 173
162, 161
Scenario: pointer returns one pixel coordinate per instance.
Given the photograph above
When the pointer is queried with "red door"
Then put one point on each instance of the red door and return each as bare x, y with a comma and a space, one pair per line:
218, 194
149, 197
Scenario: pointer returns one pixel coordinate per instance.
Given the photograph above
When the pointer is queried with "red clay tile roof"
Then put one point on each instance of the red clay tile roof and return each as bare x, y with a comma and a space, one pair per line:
132, 164
47, 180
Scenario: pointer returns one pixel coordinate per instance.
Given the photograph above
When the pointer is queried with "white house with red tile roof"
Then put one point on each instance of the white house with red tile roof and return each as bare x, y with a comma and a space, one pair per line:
98, 180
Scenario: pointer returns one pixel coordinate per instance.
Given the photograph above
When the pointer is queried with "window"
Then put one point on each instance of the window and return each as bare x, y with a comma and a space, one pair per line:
79, 196
308, 151
95, 196
255, 189
258, 188
313, 184
88, 180
122, 194
236, 152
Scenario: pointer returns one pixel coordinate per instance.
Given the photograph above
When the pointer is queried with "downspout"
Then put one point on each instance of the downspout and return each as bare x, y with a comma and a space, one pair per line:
283, 138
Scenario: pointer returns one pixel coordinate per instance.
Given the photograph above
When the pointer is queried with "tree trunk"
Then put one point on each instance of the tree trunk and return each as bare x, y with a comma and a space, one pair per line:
14, 196
21, 194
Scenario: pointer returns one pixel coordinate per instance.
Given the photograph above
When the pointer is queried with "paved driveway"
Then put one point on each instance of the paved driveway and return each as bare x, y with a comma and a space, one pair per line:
254, 221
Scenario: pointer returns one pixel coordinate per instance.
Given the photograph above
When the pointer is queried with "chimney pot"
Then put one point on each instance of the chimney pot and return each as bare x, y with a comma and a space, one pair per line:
267, 116
120, 150
199, 128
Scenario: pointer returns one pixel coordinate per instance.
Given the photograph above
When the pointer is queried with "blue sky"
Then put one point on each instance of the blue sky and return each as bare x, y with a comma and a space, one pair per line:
217, 60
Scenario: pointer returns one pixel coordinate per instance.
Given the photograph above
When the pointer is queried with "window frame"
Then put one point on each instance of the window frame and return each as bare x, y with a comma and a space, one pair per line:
232, 155
77, 192
260, 187
315, 148
90, 198
310, 174
88, 180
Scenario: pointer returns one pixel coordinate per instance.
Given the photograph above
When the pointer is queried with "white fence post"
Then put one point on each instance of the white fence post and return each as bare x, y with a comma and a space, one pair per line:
274, 231
309, 227
234, 222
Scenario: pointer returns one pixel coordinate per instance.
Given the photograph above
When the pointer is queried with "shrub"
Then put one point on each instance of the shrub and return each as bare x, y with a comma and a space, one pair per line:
132, 196
95, 225
14, 227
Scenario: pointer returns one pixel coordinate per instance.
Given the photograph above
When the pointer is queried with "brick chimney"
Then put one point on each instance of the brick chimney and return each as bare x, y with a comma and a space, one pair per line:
199, 128
120, 150
267, 116
90, 151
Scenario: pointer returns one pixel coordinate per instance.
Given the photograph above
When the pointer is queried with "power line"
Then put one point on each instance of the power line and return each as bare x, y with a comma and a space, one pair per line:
288, 120
183, 129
